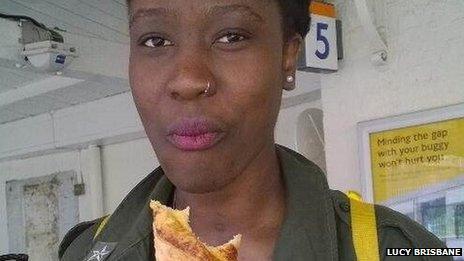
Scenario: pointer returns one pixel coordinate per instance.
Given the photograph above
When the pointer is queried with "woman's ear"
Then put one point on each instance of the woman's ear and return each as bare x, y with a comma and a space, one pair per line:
290, 58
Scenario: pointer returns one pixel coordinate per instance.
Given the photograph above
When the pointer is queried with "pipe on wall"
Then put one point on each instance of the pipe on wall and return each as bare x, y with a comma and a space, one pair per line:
92, 171
378, 45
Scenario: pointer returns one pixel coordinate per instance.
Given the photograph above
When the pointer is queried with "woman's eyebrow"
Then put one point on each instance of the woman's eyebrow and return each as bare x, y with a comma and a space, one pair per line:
221, 10
150, 12
217, 11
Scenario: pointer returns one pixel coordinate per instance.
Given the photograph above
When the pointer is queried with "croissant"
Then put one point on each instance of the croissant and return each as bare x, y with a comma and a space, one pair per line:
175, 241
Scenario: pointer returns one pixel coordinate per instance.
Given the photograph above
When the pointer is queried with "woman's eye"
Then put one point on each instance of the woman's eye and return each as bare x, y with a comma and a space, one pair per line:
155, 42
231, 38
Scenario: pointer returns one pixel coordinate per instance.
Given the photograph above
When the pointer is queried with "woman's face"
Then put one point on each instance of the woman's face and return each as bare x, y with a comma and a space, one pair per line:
179, 48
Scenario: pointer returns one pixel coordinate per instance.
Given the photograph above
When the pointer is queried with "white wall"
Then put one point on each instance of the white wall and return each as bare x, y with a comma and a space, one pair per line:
124, 165
425, 70
285, 131
37, 167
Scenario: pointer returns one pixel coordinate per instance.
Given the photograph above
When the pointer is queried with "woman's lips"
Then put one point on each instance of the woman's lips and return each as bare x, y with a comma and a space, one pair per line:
193, 143
194, 134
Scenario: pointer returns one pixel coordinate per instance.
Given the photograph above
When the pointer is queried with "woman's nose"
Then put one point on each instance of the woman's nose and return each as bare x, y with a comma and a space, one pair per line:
191, 79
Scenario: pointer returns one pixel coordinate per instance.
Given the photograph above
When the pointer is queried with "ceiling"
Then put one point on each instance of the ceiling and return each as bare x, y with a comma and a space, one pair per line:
11, 79
104, 19
25, 92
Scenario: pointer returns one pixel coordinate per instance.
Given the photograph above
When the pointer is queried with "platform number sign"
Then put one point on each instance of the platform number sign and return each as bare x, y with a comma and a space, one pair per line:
320, 27
321, 41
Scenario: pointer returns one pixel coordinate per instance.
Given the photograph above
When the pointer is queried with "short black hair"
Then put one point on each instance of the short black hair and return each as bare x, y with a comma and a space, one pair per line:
295, 16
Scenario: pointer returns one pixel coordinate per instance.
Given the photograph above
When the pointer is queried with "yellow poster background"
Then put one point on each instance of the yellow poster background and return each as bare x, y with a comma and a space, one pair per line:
409, 159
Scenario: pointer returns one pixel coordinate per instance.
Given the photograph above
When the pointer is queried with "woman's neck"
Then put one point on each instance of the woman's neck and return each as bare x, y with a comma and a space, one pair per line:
252, 205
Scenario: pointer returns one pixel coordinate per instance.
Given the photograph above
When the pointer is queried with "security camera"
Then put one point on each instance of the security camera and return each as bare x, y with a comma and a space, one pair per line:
48, 56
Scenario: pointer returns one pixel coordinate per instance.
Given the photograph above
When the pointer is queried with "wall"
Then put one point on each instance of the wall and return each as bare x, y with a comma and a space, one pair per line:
285, 132
36, 167
124, 165
425, 70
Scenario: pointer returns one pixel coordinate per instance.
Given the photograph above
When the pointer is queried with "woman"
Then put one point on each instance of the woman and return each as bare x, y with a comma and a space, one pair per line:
207, 79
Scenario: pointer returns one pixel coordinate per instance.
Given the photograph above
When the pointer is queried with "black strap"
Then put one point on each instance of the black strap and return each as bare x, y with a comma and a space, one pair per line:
16, 257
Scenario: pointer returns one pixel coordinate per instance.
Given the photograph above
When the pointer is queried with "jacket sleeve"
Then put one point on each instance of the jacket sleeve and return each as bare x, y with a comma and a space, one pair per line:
396, 230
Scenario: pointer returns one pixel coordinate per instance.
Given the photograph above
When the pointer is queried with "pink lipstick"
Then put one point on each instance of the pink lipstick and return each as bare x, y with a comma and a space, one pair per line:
194, 134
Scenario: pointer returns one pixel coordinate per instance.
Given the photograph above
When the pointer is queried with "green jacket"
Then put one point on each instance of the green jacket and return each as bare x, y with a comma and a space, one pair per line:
316, 227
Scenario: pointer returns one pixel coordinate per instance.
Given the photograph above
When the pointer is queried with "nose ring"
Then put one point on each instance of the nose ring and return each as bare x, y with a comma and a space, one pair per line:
206, 91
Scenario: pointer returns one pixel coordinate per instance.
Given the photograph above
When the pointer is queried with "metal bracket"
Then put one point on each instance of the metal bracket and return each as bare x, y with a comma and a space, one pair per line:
79, 189
31, 33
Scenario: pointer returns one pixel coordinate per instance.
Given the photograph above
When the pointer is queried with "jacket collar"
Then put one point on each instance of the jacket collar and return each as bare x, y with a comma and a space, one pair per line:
129, 233
308, 231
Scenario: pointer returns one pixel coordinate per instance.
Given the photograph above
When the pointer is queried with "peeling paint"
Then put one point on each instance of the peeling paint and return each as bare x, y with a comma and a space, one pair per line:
40, 211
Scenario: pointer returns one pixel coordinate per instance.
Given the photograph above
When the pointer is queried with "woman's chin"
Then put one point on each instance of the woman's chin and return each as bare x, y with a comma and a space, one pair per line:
200, 171
199, 182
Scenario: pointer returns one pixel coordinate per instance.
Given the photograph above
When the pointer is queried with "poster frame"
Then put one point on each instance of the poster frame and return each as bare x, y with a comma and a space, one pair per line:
365, 128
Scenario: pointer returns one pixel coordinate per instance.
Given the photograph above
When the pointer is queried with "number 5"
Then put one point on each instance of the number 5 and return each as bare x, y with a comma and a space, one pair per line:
320, 37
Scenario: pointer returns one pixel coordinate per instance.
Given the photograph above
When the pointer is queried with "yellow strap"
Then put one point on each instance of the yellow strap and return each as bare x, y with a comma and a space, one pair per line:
354, 195
364, 230
101, 226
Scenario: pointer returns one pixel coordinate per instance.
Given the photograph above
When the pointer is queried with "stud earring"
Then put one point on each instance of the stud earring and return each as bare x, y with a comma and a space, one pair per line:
290, 83
290, 79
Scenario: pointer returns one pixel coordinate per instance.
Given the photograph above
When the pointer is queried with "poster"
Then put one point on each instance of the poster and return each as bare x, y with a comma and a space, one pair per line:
414, 164
412, 158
